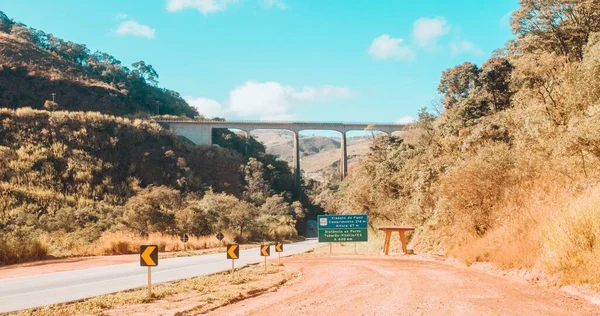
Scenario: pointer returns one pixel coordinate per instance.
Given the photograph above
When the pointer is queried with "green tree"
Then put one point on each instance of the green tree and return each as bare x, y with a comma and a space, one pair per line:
153, 210
560, 26
141, 70
241, 217
495, 78
257, 188
457, 83
5, 23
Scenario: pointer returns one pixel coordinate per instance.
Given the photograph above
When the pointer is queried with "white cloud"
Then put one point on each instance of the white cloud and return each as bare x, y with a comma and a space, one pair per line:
387, 47
464, 46
207, 107
274, 100
121, 16
267, 100
274, 4
133, 28
203, 6
405, 120
426, 31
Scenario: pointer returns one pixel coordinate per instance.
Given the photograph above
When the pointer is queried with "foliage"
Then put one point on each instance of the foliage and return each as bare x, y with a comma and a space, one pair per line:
68, 178
514, 156
559, 26
39, 64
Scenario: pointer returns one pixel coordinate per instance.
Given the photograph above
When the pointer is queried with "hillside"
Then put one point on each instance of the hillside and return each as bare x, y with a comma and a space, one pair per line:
34, 65
76, 183
509, 172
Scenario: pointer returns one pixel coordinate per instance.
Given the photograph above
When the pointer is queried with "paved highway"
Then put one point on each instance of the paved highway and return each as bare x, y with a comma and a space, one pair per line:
39, 290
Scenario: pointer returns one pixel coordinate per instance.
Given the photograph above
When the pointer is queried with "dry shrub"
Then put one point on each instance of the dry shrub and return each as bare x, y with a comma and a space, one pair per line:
571, 242
21, 245
516, 242
122, 242
472, 192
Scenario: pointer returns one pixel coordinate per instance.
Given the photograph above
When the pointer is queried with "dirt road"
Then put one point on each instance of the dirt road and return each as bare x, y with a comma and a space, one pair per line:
405, 286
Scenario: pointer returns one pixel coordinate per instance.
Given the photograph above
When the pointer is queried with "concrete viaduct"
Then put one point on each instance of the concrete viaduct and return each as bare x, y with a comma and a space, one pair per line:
200, 132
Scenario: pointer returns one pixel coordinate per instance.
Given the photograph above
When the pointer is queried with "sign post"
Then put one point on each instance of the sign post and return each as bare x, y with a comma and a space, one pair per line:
342, 228
220, 237
149, 258
233, 252
279, 249
184, 238
265, 251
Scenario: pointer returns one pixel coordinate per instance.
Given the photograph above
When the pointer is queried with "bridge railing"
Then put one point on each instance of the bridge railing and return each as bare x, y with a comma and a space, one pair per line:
178, 120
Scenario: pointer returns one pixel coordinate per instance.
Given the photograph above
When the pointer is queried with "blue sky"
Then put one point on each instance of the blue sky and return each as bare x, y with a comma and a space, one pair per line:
351, 60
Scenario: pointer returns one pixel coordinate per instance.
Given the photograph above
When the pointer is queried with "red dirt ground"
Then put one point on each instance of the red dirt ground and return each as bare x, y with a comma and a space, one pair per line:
405, 286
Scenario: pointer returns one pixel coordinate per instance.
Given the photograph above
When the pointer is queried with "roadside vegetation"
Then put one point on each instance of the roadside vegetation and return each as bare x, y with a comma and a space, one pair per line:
85, 183
506, 169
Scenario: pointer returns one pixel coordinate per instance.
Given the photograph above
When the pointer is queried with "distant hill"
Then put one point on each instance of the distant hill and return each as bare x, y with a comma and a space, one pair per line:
319, 155
34, 65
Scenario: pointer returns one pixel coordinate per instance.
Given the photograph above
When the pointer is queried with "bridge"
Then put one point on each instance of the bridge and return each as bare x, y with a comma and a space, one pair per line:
200, 132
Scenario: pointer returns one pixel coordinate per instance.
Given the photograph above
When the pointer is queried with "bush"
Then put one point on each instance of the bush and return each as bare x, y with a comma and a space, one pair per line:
571, 243
20, 245
153, 210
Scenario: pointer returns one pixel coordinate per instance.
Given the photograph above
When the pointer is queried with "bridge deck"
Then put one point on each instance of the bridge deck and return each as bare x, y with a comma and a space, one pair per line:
295, 126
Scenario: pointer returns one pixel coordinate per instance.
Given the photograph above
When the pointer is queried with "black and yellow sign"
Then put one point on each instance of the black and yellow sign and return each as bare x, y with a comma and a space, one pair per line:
265, 250
149, 255
184, 238
233, 251
279, 247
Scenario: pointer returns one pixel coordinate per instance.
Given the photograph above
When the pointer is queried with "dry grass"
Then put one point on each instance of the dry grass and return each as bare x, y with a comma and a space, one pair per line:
122, 242
556, 232
125, 242
571, 243
192, 296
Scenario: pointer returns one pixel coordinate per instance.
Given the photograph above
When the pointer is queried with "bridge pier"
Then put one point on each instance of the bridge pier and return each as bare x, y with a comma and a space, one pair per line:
246, 142
343, 157
297, 180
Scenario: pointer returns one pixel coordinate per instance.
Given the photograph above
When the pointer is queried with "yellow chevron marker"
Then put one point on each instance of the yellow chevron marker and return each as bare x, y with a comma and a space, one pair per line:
265, 250
279, 247
149, 255
233, 251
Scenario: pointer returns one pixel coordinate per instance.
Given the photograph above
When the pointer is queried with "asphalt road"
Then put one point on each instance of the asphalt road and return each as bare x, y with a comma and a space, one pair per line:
39, 290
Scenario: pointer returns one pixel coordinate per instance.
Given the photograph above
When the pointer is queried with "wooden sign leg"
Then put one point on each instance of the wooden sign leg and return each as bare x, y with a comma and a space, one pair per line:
265, 263
386, 245
232, 267
403, 240
149, 282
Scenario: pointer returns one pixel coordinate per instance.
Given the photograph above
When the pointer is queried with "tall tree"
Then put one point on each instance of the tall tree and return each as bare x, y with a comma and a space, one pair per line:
560, 26
144, 71
495, 80
5, 23
456, 83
